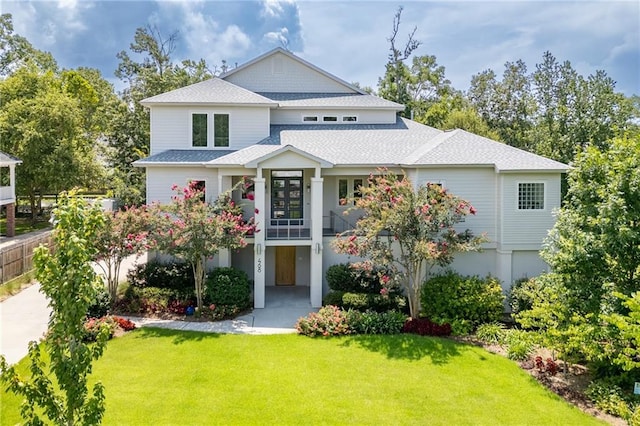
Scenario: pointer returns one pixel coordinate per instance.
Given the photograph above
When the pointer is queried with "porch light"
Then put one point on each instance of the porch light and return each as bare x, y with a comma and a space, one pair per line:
258, 248
318, 248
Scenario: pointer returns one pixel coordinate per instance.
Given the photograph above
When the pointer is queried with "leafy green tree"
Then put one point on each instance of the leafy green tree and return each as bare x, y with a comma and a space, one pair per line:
406, 230
507, 106
42, 122
69, 281
627, 329
595, 244
195, 231
16, 51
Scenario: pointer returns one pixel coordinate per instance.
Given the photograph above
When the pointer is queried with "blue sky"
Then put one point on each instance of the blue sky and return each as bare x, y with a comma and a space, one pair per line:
347, 38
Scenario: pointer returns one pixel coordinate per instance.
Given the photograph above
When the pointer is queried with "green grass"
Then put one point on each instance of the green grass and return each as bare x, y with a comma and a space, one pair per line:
163, 377
24, 225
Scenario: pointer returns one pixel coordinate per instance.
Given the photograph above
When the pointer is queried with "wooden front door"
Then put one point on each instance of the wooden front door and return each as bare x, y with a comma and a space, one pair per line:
285, 265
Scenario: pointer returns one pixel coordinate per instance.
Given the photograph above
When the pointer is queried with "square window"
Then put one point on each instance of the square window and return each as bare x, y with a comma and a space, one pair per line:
531, 196
221, 129
199, 130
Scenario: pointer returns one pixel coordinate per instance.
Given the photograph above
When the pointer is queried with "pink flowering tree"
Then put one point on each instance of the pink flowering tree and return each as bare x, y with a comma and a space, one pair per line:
124, 233
193, 230
406, 231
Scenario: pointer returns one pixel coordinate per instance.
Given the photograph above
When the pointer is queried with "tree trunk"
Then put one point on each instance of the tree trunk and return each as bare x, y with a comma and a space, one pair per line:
198, 275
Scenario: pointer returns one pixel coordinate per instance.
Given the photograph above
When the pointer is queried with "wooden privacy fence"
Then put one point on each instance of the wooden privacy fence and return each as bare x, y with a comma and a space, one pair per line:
17, 258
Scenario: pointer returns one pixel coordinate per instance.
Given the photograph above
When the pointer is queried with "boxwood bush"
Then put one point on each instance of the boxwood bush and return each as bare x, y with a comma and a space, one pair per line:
457, 299
229, 287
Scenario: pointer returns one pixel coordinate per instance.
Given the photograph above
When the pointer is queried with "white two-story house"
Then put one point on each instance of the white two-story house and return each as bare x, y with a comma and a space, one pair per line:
309, 139
8, 165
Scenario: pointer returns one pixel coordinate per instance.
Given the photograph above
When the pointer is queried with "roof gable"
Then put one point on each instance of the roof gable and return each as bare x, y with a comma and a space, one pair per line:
281, 71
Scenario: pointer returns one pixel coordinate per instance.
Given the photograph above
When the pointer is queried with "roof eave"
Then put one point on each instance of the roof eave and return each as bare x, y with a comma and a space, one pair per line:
234, 104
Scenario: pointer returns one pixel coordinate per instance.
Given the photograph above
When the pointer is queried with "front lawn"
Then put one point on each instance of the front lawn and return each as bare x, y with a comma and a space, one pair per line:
164, 377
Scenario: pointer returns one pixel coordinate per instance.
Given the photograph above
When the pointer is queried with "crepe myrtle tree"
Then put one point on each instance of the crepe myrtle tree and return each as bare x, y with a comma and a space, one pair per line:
124, 233
406, 231
194, 230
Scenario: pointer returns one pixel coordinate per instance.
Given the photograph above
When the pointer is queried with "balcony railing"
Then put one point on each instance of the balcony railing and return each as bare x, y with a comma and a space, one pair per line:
289, 229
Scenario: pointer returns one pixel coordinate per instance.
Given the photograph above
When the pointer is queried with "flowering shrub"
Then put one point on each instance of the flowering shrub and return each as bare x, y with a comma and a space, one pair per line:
425, 327
328, 321
93, 326
124, 323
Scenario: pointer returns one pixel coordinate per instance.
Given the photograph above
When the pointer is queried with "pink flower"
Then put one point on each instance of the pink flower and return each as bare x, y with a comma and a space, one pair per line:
257, 211
251, 196
472, 210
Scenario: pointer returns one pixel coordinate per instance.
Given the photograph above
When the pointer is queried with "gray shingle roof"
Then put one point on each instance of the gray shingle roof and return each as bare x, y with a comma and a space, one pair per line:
183, 156
459, 147
405, 143
330, 100
212, 91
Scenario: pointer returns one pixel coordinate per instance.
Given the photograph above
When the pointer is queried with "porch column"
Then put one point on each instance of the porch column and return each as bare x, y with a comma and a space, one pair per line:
504, 269
259, 249
316, 242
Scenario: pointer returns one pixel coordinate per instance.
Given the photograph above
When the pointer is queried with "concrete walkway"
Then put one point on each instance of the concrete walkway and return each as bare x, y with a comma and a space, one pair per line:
24, 317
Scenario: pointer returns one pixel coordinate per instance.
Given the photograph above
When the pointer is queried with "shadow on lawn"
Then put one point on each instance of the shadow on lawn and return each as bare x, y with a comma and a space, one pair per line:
179, 336
407, 346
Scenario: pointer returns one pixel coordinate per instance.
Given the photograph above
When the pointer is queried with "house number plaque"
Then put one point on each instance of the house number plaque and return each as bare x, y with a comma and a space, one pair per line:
259, 264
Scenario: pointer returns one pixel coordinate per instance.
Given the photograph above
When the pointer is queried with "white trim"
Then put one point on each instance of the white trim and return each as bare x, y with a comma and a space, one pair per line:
544, 195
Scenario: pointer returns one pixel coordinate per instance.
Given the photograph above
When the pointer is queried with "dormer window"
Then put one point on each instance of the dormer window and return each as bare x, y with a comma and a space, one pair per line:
349, 118
310, 118
329, 118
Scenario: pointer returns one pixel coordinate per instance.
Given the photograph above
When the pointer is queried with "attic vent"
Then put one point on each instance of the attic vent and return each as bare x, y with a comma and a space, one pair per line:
278, 65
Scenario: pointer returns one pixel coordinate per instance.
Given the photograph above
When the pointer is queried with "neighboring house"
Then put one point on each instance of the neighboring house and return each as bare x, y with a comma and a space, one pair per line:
308, 139
8, 190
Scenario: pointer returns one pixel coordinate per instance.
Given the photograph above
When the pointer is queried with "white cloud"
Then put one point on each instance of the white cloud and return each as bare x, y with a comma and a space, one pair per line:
280, 37
274, 8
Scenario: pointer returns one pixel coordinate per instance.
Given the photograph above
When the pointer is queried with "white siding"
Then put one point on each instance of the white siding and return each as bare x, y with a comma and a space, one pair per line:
476, 185
294, 116
171, 126
527, 264
279, 73
161, 179
526, 229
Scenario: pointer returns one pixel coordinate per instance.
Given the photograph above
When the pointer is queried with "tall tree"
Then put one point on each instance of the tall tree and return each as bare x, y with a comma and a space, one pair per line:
407, 231
394, 86
16, 51
507, 105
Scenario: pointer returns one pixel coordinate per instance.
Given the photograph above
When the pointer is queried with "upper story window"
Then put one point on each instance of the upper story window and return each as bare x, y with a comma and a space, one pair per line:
199, 132
531, 196
221, 129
